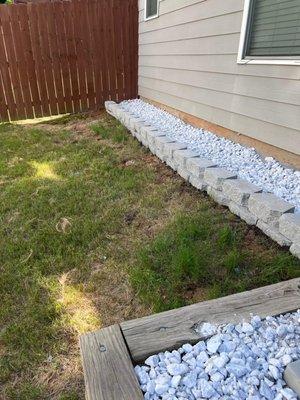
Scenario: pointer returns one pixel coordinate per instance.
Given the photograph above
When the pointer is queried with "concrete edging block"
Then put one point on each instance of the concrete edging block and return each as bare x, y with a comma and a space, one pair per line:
268, 212
289, 226
239, 190
295, 250
171, 163
273, 233
292, 376
243, 213
215, 177
161, 142
170, 148
268, 207
198, 183
181, 156
197, 165
184, 173
218, 196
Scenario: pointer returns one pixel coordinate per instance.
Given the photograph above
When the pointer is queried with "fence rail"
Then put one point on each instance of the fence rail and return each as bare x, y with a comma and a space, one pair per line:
66, 56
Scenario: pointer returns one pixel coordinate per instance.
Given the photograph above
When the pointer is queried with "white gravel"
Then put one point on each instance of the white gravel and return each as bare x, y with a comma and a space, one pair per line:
242, 361
267, 173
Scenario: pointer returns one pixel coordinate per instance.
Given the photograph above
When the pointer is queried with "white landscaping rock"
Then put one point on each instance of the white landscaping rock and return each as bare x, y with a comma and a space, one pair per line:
289, 226
245, 361
239, 190
268, 207
215, 177
245, 162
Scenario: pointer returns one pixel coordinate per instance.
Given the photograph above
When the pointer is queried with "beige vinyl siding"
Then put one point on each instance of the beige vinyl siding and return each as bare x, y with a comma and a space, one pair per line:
187, 60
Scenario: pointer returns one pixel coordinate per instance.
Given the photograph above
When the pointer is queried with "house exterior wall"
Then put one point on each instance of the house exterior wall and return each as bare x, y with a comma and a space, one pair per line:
188, 61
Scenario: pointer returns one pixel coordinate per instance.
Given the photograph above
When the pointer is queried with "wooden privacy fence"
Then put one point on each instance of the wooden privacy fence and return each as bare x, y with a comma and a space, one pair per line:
59, 57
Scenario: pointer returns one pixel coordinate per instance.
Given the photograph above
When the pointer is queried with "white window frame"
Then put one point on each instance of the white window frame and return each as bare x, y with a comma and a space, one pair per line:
152, 16
258, 60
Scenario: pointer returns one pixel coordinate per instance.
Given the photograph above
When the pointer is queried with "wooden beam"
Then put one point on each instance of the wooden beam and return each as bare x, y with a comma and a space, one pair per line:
108, 369
169, 330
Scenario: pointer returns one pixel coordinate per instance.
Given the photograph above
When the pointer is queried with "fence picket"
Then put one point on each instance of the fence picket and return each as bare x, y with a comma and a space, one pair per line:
12, 62
66, 56
28, 60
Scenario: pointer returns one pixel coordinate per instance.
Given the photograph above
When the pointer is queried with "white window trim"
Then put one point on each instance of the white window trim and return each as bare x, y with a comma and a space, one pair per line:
152, 16
261, 61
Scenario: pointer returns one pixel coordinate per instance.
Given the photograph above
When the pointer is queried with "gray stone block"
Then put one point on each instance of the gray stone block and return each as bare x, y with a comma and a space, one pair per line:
160, 142
243, 213
295, 250
239, 190
215, 177
198, 183
137, 124
181, 156
120, 114
268, 207
292, 376
171, 163
152, 135
218, 196
197, 165
273, 233
144, 134
159, 154
289, 226
143, 137
183, 172
127, 119
131, 124
108, 103
169, 149
110, 107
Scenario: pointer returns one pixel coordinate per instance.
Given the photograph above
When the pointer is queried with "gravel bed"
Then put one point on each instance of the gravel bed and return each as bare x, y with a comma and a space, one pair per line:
241, 361
266, 173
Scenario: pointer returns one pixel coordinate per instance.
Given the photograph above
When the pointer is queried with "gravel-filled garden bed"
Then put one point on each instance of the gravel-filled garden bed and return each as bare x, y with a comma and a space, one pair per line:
266, 173
242, 361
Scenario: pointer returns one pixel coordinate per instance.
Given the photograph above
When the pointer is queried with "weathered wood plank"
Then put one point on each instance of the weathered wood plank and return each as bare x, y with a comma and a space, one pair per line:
170, 329
108, 369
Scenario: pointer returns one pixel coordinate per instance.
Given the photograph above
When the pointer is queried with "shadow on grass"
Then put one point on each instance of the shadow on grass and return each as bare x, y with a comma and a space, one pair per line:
58, 206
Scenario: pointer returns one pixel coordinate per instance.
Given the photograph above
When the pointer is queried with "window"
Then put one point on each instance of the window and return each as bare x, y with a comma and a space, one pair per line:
151, 9
270, 32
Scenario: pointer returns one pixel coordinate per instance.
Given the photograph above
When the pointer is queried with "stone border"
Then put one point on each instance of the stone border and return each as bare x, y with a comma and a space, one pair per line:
274, 216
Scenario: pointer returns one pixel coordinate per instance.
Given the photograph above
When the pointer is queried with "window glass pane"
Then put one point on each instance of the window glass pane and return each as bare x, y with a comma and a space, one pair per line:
274, 28
151, 8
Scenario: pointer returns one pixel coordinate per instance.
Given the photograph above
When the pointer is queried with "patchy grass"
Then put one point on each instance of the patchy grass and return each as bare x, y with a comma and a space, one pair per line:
84, 212
207, 249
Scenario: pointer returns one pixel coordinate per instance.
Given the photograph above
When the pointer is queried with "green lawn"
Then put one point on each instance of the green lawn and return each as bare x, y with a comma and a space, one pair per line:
95, 230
